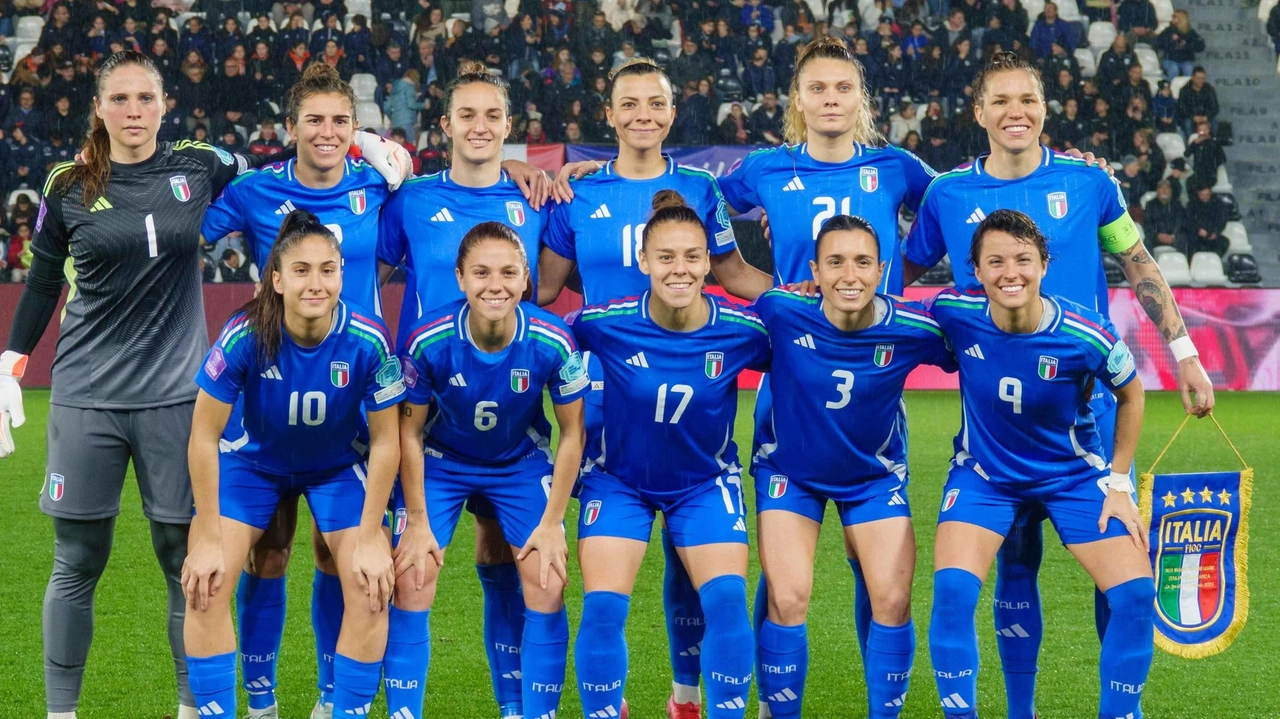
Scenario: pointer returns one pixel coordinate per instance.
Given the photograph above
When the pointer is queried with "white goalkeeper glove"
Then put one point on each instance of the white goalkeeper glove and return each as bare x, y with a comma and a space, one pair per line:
12, 366
389, 158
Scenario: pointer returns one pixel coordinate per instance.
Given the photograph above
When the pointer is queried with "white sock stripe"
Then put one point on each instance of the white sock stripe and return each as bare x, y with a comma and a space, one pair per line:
960, 703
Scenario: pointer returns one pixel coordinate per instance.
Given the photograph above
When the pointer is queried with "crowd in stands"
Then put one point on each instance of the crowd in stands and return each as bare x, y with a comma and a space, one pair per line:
228, 62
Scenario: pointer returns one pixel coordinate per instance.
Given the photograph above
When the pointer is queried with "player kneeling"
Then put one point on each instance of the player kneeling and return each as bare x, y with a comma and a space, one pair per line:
1027, 366
305, 368
839, 365
484, 361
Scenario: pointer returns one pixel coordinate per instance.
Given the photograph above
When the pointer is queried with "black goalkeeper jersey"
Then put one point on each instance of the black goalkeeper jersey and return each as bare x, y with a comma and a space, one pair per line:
133, 331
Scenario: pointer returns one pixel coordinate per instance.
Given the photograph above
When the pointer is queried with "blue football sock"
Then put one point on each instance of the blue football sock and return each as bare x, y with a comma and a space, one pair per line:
503, 628
1101, 613
600, 653
890, 653
728, 647
1018, 619
683, 610
1127, 648
404, 666
355, 684
213, 684
260, 612
953, 641
861, 608
326, 620
782, 666
544, 651
759, 614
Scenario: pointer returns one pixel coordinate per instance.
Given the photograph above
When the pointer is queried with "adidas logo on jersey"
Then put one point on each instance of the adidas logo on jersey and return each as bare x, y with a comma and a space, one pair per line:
976, 216
101, 204
638, 360
286, 208
734, 703
975, 351
442, 216
402, 713
273, 373
955, 701
605, 713
805, 341
896, 500
212, 709
692, 651
601, 213
1014, 631
794, 185
786, 695
457, 380
739, 526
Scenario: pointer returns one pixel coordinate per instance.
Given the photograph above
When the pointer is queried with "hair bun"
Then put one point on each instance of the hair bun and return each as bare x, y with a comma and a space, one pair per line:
472, 67
668, 199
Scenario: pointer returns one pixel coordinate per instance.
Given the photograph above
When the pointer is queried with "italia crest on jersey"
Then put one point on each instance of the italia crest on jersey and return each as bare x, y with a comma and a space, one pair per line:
402, 519
515, 213
178, 183
339, 374
57, 486
715, 364
1048, 367
358, 201
519, 381
884, 355
777, 486
591, 512
1058, 205
869, 179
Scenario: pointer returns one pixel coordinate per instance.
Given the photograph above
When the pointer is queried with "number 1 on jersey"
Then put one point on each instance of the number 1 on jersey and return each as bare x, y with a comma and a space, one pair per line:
631, 236
153, 246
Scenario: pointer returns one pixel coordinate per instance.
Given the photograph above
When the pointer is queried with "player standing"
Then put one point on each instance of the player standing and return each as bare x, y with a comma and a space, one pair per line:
599, 233
422, 227
1072, 204
839, 364
671, 357
305, 368
483, 361
1028, 363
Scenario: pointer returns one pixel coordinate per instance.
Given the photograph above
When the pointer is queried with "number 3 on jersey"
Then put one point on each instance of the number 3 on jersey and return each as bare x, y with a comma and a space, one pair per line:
845, 388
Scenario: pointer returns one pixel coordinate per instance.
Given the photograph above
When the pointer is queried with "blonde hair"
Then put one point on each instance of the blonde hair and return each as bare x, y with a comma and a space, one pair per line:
794, 127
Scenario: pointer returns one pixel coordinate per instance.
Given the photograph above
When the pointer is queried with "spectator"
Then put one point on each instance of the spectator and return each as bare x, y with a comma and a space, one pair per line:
402, 103
59, 30
197, 37
1013, 17
1059, 59
1064, 88
208, 270
232, 142
18, 261
159, 28
130, 35
759, 77
173, 126
32, 71
1069, 128
643, 31
26, 160
1179, 177
692, 65
1099, 140
597, 65
261, 32
694, 116
24, 213
196, 94
756, 12
296, 31
766, 121
1113, 65
1206, 218
1179, 44
330, 31
573, 133
995, 38
1164, 109
958, 76
391, 67
1150, 156
1137, 20
1197, 101
267, 143
236, 101
734, 131
399, 137
335, 58
96, 40
227, 38
1163, 219
785, 53
77, 88
902, 122
231, 267
1133, 184
728, 48
927, 75
1204, 152
893, 80
626, 54
25, 114
434, 156
938, 151
524, 41
535, 134
954, 28
597, 34
61, 121
911, 143
1050, 29
1133, 85
797, 15
573, 115
914, 44
166, 62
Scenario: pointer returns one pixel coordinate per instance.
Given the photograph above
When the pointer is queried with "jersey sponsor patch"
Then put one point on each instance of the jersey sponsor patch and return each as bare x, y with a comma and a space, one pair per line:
390, 392
515, 213
216, 363
340, 374
409, 372
57, 486
573, 369
182, 191
389, 373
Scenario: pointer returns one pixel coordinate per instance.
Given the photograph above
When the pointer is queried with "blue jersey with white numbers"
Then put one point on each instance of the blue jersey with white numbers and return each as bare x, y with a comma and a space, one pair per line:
670, 397
1079, 208
800, 193
423, 226
489, 404
304, 411
838, 416
602, 228
1026, 421
257, 202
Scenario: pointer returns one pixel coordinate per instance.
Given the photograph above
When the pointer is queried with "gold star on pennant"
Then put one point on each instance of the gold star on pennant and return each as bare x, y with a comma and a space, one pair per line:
1170, 499
1206, 495
1224, 496
1188, 496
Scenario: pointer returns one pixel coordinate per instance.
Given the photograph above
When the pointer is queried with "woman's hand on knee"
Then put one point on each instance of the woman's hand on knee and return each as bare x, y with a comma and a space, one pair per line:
417, 554
203, 572
373, 569
549, 542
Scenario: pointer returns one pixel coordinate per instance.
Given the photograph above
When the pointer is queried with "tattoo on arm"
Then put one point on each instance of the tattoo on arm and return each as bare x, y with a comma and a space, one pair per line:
1158, 304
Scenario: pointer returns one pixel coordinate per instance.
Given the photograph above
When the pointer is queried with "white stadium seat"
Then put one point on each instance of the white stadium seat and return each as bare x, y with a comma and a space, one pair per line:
29, 28
1264, 10
1162, 250
1164, 11
1222, 183
1101, 35
1206, 269
1176, 270
1142, 234
1070, 11
1172, 145
1088, 65
22, 49
370, 116
1175, 85
1033, 8
1146, 197
1238, 237
1149, 60
364, 86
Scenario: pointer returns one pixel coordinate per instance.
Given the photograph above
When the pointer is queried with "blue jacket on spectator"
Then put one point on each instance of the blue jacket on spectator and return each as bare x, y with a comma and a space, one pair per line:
764, 18
757, 80
402, 106
322, 36
201, 41
1044, 35
357, 44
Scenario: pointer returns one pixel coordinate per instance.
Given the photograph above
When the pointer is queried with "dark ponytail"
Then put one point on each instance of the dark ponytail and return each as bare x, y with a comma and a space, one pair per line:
266, 310
670, 207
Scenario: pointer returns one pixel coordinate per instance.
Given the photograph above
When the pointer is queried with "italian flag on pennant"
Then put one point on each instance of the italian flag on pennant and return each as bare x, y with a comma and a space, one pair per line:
1189, 587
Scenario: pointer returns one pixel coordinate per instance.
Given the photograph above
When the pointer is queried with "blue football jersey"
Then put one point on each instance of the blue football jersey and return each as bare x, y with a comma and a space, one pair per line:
670, 398
489, 404
257, 202
1026, 420
838, 416
304, 412
423, 226
1079, 208
602, 228
800, 193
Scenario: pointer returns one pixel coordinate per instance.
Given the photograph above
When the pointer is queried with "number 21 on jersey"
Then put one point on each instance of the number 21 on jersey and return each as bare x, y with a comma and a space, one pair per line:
827, 210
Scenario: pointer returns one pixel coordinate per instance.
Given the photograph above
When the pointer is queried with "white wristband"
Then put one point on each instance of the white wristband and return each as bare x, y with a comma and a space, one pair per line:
1183, 348
1118, 482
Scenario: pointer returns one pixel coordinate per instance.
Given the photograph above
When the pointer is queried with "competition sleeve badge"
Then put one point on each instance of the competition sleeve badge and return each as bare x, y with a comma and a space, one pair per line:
1199, 529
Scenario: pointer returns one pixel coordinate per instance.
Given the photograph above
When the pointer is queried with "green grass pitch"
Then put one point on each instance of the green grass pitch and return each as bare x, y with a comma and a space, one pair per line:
130, 674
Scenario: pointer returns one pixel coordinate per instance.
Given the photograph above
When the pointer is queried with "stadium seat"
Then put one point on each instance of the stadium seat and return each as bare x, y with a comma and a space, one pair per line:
1164, 11
1157, 253
1222, 183
1146, 197
13, 197
1206, 269
1101, 35
422, 139
1149, 60
364, 86
1264, 10
1243, 268
29, 28
22, 49
1153, 82
729, 88
1068, 10
1233, 206
1172, 145
360, 7
1176, 270
1033, 8
1175, 85
1142, 234
183, 17
1088, 65
1236, 235
370, 116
